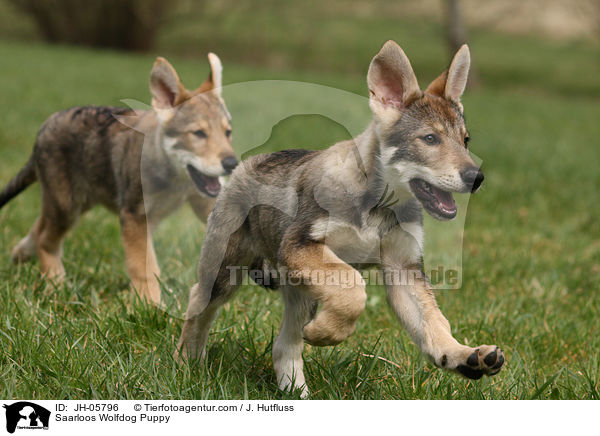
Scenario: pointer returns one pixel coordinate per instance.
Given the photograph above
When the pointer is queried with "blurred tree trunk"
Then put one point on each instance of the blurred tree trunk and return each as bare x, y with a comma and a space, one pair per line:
119, 24
456, 36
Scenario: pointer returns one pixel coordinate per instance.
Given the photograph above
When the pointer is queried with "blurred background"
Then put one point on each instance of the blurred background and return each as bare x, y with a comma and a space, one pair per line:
531, 243
335, 36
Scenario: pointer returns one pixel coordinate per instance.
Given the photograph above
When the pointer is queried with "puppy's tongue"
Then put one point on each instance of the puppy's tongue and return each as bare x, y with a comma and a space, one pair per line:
445, 199
212, 185
207, 184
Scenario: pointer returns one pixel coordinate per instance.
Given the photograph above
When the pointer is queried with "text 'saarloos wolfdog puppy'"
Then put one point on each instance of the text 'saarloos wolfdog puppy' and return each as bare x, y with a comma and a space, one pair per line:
416, 147
83, 156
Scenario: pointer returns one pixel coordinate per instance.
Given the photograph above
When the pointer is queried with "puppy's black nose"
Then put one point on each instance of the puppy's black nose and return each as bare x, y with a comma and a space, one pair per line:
229, 163
472, 177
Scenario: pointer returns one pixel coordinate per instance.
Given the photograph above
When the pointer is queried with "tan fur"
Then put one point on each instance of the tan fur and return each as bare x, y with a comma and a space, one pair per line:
438, 85
140, 257
49, 248
341, 305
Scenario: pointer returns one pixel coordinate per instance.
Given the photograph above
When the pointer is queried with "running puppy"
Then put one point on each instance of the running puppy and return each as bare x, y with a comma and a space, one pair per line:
143, 171
356, 203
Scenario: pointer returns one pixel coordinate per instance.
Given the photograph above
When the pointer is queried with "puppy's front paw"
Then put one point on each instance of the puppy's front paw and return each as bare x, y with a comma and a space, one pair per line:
483, 360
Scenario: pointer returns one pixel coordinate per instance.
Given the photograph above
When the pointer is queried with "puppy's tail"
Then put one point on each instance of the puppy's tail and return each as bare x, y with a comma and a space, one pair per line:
19, 183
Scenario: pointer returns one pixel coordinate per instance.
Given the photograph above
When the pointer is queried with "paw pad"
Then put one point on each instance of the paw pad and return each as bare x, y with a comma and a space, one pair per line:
473, 359
490, 359
482, 362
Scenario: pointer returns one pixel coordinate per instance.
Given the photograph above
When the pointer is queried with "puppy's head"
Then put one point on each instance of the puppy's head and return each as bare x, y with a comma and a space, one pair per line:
195, 125
423, 135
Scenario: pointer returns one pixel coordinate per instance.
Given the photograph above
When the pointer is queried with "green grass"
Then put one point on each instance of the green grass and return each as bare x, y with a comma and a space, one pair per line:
531, 252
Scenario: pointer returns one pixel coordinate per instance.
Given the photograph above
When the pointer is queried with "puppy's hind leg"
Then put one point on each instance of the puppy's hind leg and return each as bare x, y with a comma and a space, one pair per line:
199, 318
26, 250
219, 276
287, 349
56, 220
60, 211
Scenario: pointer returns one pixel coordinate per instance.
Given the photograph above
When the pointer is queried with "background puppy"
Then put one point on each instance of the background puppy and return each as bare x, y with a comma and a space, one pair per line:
83, 156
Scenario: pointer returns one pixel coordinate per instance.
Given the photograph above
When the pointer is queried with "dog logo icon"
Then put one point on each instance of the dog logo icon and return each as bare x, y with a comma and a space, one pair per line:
26, 415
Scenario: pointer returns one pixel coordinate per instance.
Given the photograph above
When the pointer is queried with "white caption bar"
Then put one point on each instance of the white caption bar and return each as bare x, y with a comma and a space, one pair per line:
295, 417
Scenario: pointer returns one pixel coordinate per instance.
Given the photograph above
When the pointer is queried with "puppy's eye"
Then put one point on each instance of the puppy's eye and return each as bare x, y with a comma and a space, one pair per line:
228, 133
200, 133
431, 139
466, 140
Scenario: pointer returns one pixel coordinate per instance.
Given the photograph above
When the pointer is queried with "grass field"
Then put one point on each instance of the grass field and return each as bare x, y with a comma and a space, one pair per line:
531, 252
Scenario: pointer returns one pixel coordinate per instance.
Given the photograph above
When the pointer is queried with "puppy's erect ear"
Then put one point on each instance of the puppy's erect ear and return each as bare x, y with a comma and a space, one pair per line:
214, 81
391, 80
165, 86
458, 74
452, 82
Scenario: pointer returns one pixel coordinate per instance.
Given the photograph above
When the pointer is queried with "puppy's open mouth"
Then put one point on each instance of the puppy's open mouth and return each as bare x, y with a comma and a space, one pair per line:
438, 203
208, 185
